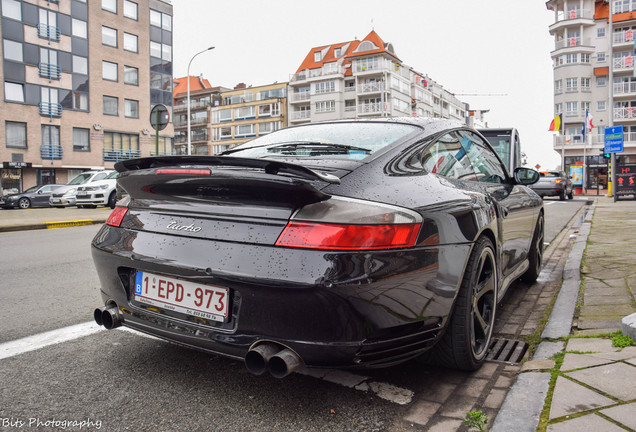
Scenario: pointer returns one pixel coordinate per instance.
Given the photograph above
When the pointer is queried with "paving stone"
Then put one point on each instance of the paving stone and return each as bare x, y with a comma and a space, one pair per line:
473, 387
578, 361
457, 407
421, 412
624, 354
522, 407
446, 425
439, 392
536, 365
546, 350
623, 414
571, 398
587, 423
495, 398
487, 370
598, 325
504, 382
616, 379
595, 300
590, 345
619, 309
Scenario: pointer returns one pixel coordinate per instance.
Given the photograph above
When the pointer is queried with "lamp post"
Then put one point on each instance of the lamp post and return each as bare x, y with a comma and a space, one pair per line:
188, 100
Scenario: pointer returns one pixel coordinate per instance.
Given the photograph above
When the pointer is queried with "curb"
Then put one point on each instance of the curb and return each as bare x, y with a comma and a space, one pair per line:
523, 405
52, 225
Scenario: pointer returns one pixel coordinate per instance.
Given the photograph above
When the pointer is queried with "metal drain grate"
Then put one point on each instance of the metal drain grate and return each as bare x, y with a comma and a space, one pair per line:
506, 350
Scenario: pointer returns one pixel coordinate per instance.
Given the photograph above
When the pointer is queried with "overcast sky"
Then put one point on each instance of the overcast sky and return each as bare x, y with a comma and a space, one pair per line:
485, 47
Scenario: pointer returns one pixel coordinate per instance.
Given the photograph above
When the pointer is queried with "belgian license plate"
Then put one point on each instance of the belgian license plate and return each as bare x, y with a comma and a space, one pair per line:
81, 194
204, 301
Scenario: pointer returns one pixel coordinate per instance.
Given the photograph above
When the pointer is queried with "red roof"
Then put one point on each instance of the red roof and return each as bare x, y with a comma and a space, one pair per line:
196, 83
328, 52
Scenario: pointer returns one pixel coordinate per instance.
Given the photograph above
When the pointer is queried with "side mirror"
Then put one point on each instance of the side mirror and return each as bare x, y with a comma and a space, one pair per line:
526, 176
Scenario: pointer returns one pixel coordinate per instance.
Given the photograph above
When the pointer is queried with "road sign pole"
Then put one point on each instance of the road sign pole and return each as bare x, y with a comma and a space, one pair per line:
612, 176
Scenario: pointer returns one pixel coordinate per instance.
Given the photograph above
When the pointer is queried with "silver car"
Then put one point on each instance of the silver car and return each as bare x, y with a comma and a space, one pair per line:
66, 196
554, 183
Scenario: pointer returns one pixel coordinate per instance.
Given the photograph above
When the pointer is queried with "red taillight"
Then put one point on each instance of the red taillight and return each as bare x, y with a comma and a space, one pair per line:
348, 237
117, 216
557, 181
183, 171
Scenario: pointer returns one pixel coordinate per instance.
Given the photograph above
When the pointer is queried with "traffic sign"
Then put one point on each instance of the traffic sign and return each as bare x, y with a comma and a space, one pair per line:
613, 139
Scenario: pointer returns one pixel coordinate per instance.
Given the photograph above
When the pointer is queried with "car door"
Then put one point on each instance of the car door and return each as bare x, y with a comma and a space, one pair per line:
516, 214
41, 197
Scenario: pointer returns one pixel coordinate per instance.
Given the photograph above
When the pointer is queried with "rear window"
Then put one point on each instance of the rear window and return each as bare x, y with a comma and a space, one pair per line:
550, 174
325, 141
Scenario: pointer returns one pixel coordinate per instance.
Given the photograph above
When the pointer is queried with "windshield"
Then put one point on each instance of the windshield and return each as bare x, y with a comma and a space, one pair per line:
551, 174
111, 175
324, 141
501, 145
31, 189
80, 179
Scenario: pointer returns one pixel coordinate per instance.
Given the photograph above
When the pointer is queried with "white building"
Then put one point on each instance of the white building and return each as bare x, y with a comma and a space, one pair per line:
593, 63
365, 78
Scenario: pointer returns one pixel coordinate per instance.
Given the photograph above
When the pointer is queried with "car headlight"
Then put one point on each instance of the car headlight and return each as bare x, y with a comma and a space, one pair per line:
103, 187
11, 198
70, 192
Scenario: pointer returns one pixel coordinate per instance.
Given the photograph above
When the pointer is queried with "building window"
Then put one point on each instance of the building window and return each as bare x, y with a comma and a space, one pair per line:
13, 92
325, 87
558, 108
16, 134
243, 131
12, 50
81, 141
130, 42
130, 9
131, 108
317, 56
585, 84
80, 65
601, 81
571, 85
161, 20
12, 9
600, 32
571, 108
79, 28
51, 135
558, 86
325, 106
109, 71
572, 58
243, 113
155, 49
110, 105
80, 101
585, 58
131, 75
166, 52
600, 106
265, 128
222, 133
109, 5
109, 36
119, 146
600, 57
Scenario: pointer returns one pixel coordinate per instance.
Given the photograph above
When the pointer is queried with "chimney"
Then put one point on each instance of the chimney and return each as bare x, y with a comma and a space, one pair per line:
240, 86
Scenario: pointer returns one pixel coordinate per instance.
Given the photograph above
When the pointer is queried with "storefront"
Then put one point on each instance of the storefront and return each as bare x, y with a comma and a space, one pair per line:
18, 176
596, 171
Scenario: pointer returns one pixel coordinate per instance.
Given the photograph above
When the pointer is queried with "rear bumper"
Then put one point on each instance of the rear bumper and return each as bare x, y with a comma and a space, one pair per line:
549, 191
333, 309
61, 202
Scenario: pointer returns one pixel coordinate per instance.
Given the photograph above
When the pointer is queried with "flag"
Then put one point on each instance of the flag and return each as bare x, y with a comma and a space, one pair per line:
556, 124
588, 121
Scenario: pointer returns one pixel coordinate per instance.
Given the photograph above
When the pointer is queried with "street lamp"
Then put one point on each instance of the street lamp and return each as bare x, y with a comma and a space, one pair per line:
188, 100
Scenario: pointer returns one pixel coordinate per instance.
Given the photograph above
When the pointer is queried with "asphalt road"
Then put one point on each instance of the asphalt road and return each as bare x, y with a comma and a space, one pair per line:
126, 381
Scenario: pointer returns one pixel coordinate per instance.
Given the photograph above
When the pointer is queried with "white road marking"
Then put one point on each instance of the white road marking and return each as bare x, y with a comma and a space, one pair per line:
386, 391
41, 340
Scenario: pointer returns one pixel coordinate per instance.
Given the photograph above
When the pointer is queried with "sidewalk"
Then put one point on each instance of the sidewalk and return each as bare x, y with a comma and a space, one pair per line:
577, 381
42, 218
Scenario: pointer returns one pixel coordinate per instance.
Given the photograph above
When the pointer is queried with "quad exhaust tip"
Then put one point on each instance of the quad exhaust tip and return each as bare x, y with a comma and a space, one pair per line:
107, 316
278, 360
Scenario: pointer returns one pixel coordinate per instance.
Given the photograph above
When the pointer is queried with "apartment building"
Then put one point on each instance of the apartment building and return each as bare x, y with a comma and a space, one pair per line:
365, 78
593, 62
79, 79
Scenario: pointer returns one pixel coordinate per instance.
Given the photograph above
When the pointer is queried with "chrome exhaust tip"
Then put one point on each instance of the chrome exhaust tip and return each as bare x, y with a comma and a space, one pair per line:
283, 363
257, 358
107, 316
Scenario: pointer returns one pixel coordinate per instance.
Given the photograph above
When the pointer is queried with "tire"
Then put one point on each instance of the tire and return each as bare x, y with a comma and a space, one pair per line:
571, 195
535, 254
466, 341
24, 203
562, 195
112, 200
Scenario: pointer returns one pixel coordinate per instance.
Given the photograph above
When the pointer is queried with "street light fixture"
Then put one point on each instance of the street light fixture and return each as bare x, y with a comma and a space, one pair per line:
188, 100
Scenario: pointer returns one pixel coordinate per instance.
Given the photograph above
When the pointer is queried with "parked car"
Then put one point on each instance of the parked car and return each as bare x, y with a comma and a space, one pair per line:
36, 196
360, 243
66, 196
554, 183
99, 192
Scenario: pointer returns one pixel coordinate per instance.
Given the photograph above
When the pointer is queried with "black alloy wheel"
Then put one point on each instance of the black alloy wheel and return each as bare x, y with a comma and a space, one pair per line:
467, 339
24, 203
112, 200
535, 254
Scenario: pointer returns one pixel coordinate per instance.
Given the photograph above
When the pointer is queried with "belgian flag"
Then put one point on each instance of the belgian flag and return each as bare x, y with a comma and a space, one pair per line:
556, 124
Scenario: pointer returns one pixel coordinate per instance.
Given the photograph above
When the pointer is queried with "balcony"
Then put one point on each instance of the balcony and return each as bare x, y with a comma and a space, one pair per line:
51, 151
300, 115
624, 64
50, 33
572, 42
316, 73
624, 89
370, 108
51, 110
625, 114
52, 72
300, 96
623, 38
193, 105
374, 87
111, 155
572, 17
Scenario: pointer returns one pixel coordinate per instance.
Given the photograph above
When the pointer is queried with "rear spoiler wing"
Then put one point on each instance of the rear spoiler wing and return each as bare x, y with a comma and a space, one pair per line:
269, 166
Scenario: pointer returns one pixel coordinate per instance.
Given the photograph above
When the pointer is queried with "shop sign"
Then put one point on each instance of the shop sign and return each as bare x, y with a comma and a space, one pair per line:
16, 165
626, 179
576, 173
